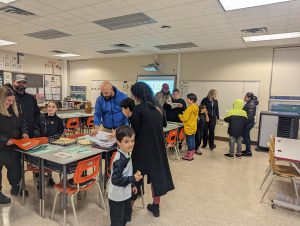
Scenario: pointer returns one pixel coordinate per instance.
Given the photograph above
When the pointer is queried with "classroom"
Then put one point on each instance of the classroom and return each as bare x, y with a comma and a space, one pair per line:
149, 112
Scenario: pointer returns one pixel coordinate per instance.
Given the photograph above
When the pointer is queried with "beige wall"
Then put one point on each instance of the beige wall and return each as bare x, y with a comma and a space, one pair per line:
119, 68
240, 64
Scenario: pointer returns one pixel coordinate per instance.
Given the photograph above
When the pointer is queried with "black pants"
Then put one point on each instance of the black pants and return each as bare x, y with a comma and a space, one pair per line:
199, 134
120, 212
209, 132
12, 161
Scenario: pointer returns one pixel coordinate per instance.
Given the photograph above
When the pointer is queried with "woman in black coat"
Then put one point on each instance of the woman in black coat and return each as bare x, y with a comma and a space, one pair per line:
11, 127
149, 154
212, 107
250, 108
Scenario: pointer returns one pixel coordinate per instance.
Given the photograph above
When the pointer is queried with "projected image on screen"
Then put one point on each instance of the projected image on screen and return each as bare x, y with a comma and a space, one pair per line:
156, 82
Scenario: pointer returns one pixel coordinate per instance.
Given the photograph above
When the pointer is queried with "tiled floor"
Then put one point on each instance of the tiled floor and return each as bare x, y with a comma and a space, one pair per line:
211, 190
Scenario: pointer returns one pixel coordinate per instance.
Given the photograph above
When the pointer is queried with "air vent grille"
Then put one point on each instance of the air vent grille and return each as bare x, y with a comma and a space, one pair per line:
112, 51
176, 46
14, 10
48, 34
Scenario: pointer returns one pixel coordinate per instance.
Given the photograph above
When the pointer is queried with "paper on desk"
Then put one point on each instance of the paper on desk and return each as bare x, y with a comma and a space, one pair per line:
100, 139
63, 155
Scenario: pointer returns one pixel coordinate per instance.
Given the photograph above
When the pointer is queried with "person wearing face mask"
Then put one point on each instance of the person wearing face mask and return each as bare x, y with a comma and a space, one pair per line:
11, 127
27, 104
163, 96
108, 112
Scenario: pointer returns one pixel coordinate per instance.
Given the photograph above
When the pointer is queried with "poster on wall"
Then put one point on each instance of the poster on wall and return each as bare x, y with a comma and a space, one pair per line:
52, 87
20, 67
1, 65
6, 58
13, 59
6, 66
7, 77
13, 67
1, 57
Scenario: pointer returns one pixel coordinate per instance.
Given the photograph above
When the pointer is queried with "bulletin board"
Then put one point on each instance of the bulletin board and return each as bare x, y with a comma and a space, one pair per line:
123, 86
53, 87
35, 84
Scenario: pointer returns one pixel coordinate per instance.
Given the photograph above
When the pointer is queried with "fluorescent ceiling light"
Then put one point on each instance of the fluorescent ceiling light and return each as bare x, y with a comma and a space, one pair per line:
5, 43
66, 55
240, 4
258, 38
7, 1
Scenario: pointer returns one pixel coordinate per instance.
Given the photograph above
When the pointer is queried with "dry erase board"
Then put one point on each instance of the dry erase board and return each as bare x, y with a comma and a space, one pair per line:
227, 91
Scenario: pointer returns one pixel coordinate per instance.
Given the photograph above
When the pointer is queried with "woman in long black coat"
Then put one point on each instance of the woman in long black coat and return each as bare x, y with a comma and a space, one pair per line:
149, 154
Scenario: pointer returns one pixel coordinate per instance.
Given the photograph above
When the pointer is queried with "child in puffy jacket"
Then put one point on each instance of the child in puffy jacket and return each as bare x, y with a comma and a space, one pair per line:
237, 118
189, 119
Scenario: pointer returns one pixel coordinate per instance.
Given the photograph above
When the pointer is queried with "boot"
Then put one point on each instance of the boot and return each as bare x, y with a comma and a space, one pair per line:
4, 199
188, 156
154, 208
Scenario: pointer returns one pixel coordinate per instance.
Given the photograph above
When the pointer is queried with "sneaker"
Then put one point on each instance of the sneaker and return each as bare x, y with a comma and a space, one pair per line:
229, 155
17, 192
247, 154
4, 199
51, 182
154, 208
212, 147
198, 152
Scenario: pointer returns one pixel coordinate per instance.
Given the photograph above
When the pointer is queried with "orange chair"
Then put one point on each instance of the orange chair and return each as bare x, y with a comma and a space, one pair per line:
89, 124
110, 164
172, 142
72, 126
81, 182
181, 137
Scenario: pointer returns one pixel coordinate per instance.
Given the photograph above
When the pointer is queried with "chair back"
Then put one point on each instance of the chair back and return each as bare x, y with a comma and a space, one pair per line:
172, 135
273, 141
181, 135
271, 157
111, 163
72, 123
90, 122
85, 165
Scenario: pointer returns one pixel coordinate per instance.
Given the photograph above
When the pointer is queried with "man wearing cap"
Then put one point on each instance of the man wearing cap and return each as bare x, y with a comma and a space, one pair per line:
27, 104
164, 96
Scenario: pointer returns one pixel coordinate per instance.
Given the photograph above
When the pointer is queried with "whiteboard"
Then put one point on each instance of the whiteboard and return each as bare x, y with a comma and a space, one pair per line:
286, 72
123, 86
227, 91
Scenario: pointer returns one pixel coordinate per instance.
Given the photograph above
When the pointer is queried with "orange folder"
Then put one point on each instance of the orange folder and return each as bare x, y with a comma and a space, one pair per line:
26, 143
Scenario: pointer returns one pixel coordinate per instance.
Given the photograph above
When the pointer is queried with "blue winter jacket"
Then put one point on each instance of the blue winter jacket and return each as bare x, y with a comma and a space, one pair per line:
108, 112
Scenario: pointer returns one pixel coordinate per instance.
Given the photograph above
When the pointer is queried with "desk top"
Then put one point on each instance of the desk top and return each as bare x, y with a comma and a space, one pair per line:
65, 154
287, 149
172, 126
73, 115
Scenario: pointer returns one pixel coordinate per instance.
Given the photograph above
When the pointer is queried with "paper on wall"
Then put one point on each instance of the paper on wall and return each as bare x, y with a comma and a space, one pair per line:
55, 90
48, 90
20, 67
7, 77
6, 66
13, 59
1, 57
48, 97
41, 90
6, 58
31, 91
56, 97
1, 65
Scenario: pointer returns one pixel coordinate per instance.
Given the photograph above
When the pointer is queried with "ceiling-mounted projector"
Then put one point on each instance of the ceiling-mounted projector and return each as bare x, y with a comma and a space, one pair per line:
151, 67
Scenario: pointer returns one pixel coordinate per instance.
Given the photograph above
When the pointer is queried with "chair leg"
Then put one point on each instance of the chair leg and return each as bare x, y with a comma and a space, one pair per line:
101, 197
54, 205
295, 186
265, 178
142, 194
268, 168
262, 198
35, 186
177, 153
74, 210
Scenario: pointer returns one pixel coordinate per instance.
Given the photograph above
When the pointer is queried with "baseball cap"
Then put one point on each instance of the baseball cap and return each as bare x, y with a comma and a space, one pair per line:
20, 77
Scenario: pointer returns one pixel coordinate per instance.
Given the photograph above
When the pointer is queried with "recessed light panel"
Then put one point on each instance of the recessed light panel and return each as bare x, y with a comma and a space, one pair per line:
176, 46
66, 55
270, 37
112, 51
6, 43
240, 4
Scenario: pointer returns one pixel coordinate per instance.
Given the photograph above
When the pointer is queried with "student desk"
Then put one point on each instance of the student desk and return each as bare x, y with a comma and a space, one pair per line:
288, 150
49, 154
80, 115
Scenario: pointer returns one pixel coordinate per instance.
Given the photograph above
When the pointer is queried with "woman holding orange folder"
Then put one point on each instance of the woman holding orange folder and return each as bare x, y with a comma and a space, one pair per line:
11, 127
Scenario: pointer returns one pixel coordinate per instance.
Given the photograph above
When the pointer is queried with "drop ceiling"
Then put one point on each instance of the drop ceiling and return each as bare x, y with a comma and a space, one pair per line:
201, 22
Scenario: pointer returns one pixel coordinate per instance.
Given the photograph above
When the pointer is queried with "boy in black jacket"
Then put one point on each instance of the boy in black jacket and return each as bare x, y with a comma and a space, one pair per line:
237, 119
121, 183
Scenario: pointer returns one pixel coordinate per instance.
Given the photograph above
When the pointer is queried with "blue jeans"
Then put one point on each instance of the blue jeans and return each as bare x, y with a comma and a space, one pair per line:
246, 136
190, 140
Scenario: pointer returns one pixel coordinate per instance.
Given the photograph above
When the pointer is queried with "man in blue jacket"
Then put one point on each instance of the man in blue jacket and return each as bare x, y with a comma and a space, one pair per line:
108, 112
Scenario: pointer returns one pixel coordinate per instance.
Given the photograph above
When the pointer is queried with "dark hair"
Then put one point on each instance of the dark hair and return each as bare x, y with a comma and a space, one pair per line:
124, 131
202, 106
251, 96
176, 90
127, 103
143, 92
192, 97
